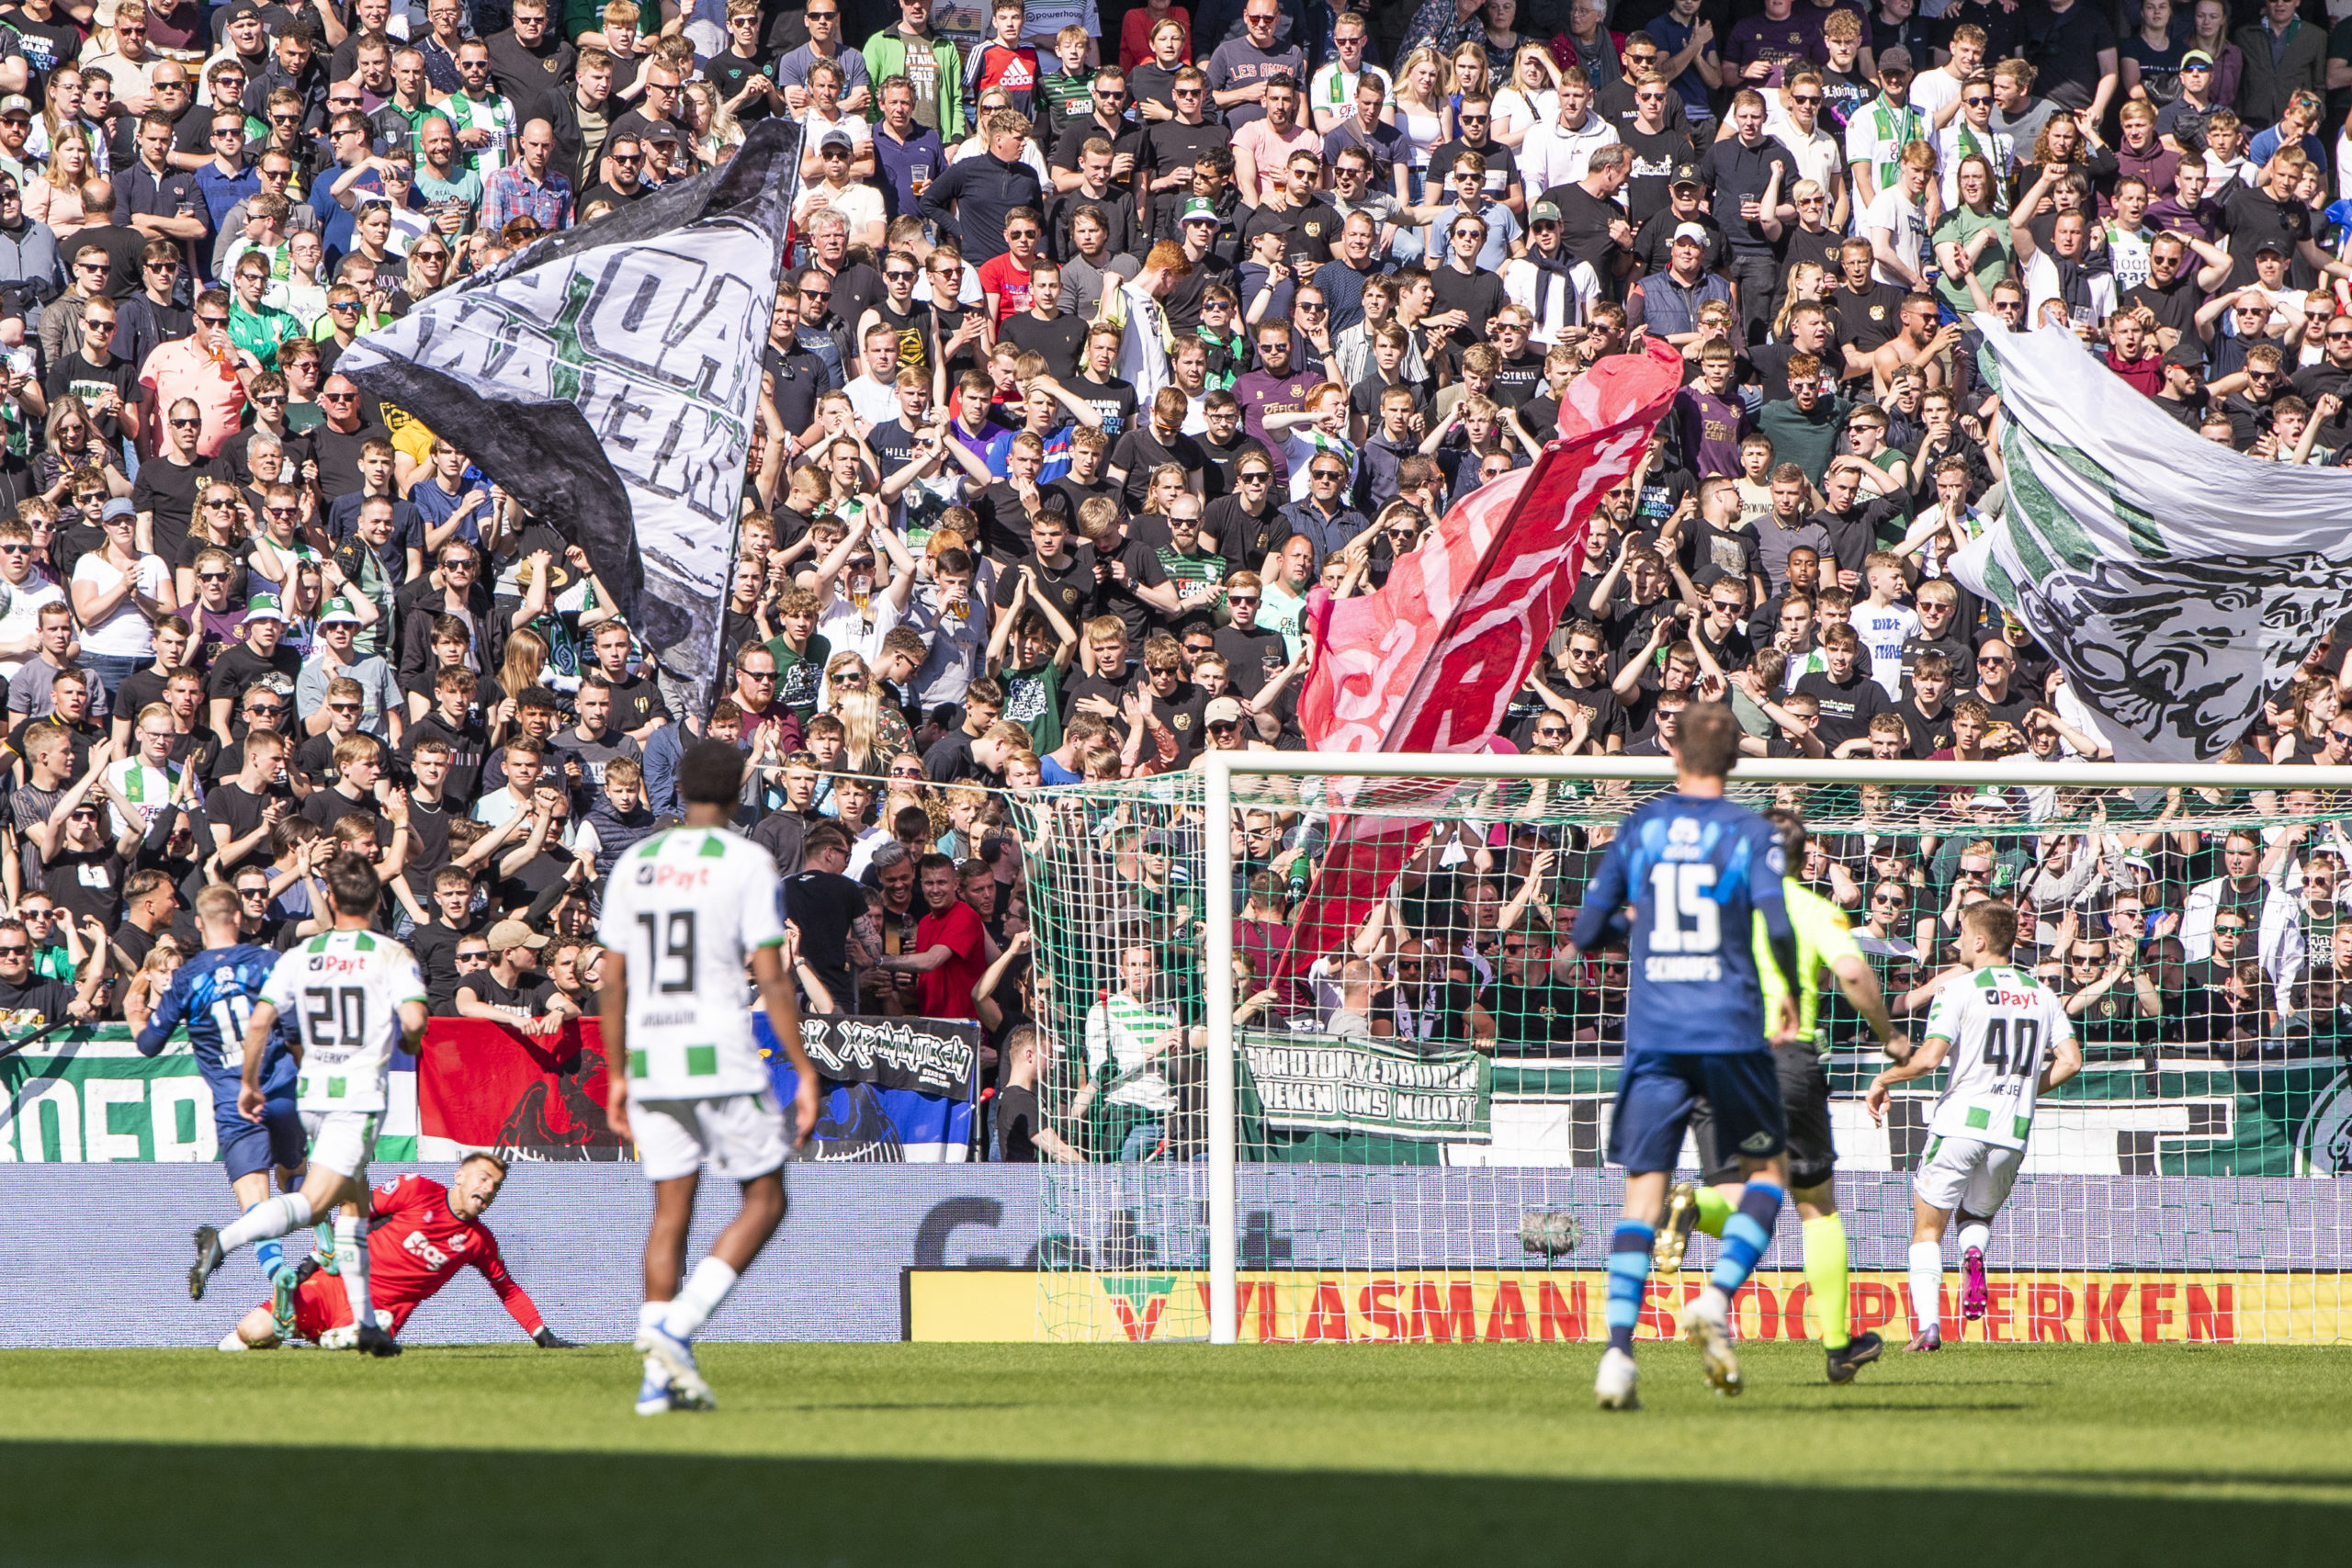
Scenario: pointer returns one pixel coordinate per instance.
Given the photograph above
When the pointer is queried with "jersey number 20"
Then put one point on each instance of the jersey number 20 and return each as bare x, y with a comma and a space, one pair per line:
334, 1015
1682, 890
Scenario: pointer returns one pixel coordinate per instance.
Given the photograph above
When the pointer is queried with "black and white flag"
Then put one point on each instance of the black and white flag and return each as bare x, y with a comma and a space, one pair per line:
609, 378
2175, 581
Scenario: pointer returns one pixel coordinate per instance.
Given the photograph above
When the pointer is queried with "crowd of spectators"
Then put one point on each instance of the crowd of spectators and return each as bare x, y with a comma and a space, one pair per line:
1088, 363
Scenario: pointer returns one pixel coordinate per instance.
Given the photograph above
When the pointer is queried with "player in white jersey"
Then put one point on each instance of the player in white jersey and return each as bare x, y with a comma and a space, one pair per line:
2008, 1038
353, 995
682, 911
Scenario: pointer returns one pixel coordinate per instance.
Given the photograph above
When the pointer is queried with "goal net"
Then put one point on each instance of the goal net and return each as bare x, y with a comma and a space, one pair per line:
1316, 1064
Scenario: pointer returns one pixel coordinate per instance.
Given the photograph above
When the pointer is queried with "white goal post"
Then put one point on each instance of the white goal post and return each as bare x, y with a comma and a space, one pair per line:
1222, 769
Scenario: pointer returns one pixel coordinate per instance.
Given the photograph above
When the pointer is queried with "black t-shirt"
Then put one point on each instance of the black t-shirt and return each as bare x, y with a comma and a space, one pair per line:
240, 667
1072, 585
1016, 1124
469, 750
436, 947
1478, 295
1114, 399
169, 491
89, 382
637, 702
35, 1003
825, 907
1059, 340
2249, 218
1251, 656
1137, 452
87, 882
1868, 316
527, 999
1142, 567
1845, 710
1584, 225
338, 456
237, 812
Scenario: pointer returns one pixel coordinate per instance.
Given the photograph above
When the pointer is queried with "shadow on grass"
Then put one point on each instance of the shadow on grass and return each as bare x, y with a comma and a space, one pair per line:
69, 1505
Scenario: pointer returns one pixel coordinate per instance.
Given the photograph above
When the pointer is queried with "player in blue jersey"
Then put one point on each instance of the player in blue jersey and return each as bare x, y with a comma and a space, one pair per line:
1684, 883
214, 994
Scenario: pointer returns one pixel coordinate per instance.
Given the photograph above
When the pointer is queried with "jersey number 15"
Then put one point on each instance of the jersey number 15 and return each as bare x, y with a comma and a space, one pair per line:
1679, 891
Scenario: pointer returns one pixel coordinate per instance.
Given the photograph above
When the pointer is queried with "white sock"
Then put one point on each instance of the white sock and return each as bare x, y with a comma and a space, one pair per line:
650, 1313
1928, 1285
271, 1216
705, 1287
351, 1260
1976, 1235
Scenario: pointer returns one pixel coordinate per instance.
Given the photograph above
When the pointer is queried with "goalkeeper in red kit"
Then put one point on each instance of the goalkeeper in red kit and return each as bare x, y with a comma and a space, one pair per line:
420, 1234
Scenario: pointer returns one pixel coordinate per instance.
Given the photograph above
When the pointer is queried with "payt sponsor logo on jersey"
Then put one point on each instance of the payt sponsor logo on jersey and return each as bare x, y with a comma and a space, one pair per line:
675, 878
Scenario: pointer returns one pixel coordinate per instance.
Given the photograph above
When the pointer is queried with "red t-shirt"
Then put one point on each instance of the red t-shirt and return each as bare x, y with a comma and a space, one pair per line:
2145, 376
946, 991
1009, 281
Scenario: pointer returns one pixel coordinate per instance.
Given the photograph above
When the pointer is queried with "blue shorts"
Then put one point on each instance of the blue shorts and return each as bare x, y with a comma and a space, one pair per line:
278, 1140
1656, 1093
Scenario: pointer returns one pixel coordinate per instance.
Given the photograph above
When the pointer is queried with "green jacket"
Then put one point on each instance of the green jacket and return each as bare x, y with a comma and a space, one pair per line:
886, 56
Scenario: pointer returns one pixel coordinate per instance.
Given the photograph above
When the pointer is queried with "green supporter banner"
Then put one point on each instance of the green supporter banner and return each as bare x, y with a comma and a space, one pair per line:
88, 1096
1308, 1083
2151, 1117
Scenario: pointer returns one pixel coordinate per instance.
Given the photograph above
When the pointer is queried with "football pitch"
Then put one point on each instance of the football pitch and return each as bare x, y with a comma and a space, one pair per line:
851, 1456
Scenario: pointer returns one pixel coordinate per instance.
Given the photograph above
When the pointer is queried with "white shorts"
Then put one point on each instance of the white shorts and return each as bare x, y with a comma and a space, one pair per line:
343, 1140
738, 1135
1963, 1174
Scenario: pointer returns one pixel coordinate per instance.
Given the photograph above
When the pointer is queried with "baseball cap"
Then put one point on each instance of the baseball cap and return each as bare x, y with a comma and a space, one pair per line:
514, 933
1199, 208
836, 134
118, 508
661, 131
1896, 58
264, 607
1543, 213
16, 103
1691, 232
1987, 801
1685, 174
2189, 355
1222, 710
2196, 59
240, 11
339, 613
2277, 247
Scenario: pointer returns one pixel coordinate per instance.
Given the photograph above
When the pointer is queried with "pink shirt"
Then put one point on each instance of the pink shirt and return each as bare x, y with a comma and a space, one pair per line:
184, 370
1270, 151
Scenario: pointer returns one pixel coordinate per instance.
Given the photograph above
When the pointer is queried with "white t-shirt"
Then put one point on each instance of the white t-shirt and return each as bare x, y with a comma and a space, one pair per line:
149, 790
1883, 632
126, 629
684, 908
1903, 220
872, 400
21, 616
342, 992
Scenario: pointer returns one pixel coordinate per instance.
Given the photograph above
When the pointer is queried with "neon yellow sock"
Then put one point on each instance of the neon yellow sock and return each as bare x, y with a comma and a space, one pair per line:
1713, 1210
1824, 1270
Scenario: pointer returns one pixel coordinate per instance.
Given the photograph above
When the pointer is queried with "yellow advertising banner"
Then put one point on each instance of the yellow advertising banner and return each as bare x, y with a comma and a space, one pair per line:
1481, 1305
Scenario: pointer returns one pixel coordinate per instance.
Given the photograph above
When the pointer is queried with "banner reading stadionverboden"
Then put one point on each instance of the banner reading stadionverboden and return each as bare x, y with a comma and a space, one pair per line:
1326, 1084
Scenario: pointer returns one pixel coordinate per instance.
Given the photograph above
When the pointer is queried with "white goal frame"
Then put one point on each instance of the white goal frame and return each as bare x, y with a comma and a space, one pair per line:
1220, 769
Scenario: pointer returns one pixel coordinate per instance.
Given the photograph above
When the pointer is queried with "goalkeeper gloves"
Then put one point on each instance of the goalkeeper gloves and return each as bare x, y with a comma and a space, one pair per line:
547, 1338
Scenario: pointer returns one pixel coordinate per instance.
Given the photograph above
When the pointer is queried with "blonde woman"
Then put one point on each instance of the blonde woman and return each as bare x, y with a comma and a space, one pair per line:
54, 196
710, 128
1472, 74
526, 656
905, 786
1806, 282
1424, 115
1530, 99
872, 729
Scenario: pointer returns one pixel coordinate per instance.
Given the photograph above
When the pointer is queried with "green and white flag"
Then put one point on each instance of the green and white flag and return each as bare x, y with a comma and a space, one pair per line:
2175, 581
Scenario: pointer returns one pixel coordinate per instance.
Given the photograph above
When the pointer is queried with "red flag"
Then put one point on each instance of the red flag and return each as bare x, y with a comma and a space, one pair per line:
1430, 662
485, 1086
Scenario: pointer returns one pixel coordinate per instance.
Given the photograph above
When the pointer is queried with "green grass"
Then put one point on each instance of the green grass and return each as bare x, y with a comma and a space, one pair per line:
901, 1454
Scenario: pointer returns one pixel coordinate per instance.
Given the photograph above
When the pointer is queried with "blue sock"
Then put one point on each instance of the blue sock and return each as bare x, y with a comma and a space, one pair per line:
1629, 1273
271, 1256
1747, 1234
